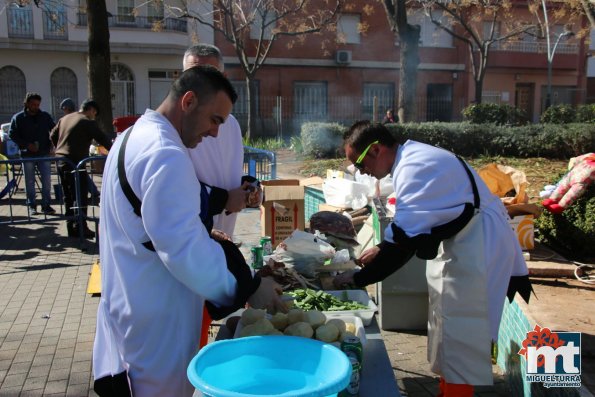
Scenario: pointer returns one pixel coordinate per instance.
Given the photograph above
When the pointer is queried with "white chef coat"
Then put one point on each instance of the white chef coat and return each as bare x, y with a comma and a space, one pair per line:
219, 162
149, 315
427, 197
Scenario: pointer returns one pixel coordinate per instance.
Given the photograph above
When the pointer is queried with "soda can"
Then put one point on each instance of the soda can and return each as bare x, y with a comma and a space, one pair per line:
256, 252
352, 346
267, 245
352, 388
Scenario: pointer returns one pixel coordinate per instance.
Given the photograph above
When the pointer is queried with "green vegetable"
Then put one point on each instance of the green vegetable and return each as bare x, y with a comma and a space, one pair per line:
307, 299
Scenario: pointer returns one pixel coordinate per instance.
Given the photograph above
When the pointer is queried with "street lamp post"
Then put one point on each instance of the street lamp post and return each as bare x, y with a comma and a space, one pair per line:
551, 51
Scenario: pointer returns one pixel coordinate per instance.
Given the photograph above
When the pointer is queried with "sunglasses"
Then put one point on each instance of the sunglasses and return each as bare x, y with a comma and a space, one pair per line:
358, 163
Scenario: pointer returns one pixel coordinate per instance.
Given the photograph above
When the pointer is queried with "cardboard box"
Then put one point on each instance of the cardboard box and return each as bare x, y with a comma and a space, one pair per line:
523, 227
282, 210
332, 208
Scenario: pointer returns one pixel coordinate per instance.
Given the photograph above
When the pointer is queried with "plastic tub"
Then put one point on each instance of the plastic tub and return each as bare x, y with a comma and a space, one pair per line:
269, 366
359, 296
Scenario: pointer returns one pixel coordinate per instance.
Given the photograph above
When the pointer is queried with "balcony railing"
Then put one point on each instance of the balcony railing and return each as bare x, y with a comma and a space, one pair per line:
534, 47
20, 23
55, 25
151, 23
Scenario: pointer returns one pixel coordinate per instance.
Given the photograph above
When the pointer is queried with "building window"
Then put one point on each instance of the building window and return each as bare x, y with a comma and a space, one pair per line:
63, 83
55, 23
431, 35
125, 11
348, 29
310, 100
155, 11
20, 21
439, 102
385, 94
122, 90
13, 88
264, 18
240, 108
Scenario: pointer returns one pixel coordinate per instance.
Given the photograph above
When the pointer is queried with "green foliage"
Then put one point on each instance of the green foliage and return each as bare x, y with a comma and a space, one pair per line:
493, 113
572, 232
295, 143
532, 140
559, 114
585, 113
270, 144
322, 140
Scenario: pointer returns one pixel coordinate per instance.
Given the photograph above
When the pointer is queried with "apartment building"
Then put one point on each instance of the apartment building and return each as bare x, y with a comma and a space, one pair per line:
45, 50
356, 77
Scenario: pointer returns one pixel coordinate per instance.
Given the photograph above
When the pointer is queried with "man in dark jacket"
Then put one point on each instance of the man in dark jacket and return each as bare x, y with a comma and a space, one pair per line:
30, 130
72, 136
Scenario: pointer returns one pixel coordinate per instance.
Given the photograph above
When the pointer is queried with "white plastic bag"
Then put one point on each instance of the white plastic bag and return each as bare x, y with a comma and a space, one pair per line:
304, 252
382, 187
341, 192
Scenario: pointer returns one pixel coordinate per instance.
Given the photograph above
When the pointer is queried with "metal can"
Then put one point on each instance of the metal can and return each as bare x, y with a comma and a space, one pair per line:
352, 388
256, 261
267, 245
352, 346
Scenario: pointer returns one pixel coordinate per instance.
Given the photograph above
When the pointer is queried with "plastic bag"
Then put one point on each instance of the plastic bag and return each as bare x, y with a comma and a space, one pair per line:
304, 252
341, 192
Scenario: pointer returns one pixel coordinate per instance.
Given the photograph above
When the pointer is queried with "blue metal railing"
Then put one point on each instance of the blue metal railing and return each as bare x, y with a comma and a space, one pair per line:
260, 163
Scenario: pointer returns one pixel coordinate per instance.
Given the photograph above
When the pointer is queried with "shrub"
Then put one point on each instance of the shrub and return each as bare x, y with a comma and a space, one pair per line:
493, 113
585, 113
322, 140
559, 114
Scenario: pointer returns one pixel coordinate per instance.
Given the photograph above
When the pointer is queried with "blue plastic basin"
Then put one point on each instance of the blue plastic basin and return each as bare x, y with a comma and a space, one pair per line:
270, 366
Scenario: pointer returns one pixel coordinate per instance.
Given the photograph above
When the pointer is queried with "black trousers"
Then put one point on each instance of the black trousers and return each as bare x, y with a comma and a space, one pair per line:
69, 187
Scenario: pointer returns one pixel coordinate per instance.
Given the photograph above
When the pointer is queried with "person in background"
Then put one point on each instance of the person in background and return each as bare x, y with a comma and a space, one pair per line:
72, 136
389, 117
158, 263
446, 215
30, 129
67, 106
219, 161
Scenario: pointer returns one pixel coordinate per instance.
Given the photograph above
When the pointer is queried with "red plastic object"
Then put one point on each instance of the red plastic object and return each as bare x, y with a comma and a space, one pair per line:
121, 123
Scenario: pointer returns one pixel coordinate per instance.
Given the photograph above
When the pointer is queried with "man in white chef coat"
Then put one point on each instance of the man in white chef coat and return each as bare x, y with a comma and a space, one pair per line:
219, 161
159, 265
446, 215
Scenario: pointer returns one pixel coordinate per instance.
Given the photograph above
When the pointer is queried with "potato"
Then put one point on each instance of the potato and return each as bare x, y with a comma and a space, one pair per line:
280, 321
300, 328
250, 315
295, 316
340, 324
260, 327
315, 318
275, 332
327, 333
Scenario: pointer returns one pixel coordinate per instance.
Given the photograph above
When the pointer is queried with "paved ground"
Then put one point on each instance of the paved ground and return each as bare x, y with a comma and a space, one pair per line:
47, 320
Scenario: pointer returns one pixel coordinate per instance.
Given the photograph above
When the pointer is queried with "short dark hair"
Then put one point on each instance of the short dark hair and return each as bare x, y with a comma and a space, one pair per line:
204, 50
205, 81
30, 96
363, 132
88, 104
68, 103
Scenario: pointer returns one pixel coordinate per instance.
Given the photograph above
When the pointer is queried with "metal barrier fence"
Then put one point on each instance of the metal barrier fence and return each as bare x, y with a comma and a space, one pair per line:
259, 163
13, 200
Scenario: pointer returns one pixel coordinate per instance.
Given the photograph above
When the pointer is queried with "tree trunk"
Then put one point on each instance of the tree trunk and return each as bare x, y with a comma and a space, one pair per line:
98, 63
252, 107
409, 40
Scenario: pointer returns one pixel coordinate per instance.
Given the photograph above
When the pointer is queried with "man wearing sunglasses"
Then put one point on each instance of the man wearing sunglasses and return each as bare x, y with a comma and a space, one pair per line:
446, 215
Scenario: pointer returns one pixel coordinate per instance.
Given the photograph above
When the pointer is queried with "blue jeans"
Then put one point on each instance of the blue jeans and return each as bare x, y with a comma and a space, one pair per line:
45, 171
